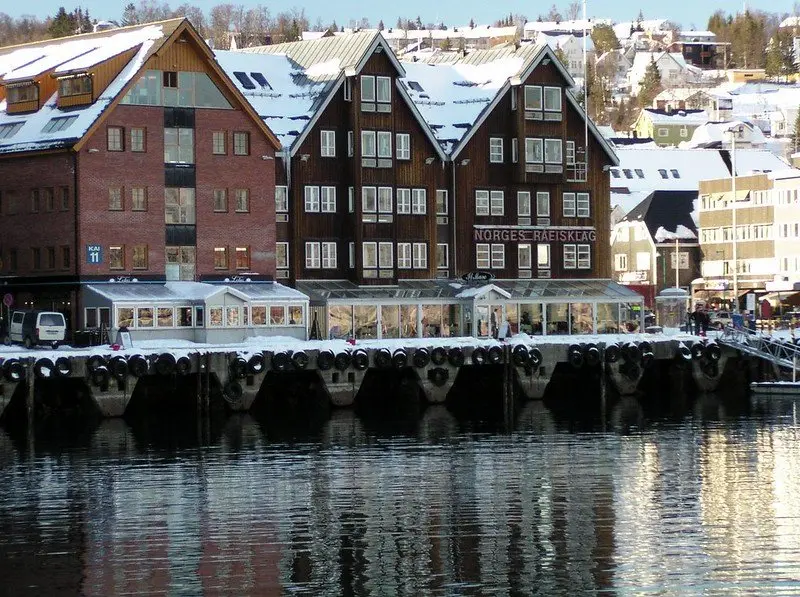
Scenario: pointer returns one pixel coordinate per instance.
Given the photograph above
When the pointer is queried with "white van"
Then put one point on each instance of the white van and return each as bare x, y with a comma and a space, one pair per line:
36, 327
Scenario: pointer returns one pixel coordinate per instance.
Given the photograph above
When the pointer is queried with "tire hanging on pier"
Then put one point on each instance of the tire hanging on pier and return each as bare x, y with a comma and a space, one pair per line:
165, 364
382, 358
479, 356
439, 356
238, 368
631, 353
612, 353
100, 376
421, 358
495, 355
399, 359
44, 368
300, 359
13, 370
455, 356
183, 366
645, 346
535, 356
684, 352
256, 364
63, 366
360, 359
575, 356
520, 355
438, 376
647, 359
94, 362
138, 365
325, 360
342, 361
118, 366
232, 390
591, 354
712, 352
280, 361
697, 351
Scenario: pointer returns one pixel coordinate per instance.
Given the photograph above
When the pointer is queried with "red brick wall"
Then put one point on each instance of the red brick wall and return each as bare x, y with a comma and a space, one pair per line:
24, 230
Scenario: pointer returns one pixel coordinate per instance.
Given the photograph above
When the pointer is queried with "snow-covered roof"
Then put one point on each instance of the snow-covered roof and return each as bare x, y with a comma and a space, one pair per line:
793, 21
193, 292
51, 127
690, 33
680, 233
561, 40
677, 117
572, 26
715, 134
623, 29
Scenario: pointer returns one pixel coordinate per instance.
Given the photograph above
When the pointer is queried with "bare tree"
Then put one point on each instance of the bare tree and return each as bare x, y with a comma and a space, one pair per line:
573, 11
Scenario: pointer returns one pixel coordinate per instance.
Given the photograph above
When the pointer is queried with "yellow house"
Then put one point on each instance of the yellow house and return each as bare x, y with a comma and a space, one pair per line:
668, 127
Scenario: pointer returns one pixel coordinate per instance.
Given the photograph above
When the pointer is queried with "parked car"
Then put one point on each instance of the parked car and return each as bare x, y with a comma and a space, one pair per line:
36, 327
719, 319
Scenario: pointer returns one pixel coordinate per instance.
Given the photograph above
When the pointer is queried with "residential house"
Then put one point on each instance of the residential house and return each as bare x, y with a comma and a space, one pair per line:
718, 135
614, 66
701, 49
671, 66
666, 127
655, 245
570, 48
128, 153
718, 106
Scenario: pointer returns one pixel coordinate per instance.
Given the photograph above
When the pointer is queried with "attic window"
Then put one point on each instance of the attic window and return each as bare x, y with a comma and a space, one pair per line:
415, 86
170, 79
675, 174
54, 125
74, 86
639, 172
9, 129
615, 172
628, 173
261, 80
663, 173
25, 92
244, 79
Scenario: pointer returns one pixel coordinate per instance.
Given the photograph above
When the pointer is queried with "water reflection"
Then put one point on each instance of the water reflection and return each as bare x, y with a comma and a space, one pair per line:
705, 504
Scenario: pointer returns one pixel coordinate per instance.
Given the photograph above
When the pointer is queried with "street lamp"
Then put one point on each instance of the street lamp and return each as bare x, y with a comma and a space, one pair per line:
735, 130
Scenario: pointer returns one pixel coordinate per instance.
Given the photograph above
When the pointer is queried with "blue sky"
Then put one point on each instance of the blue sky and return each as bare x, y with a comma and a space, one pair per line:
453, 12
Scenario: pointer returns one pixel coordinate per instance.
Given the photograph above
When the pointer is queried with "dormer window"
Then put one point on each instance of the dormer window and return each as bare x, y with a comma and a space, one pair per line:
79, 85
22, 96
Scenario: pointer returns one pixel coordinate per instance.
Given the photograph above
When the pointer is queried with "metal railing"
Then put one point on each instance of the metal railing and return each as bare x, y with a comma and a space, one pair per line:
780, 352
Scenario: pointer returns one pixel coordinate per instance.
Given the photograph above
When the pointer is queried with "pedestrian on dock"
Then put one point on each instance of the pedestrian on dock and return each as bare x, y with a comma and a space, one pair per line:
705, 320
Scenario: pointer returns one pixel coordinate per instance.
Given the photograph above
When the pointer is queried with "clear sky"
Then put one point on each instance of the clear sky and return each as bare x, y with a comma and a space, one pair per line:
452, 12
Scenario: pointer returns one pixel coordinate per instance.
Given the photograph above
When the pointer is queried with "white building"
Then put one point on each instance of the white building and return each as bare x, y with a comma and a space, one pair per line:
671, 66
572, 47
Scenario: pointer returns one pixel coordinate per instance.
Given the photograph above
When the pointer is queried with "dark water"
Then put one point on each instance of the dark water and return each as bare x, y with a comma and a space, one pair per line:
704, 502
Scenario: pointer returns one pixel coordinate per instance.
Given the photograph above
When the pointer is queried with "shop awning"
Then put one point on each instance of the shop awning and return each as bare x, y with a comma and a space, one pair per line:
789, 297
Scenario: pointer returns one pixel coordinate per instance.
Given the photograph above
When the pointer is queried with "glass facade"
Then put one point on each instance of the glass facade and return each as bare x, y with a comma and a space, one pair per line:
188, 90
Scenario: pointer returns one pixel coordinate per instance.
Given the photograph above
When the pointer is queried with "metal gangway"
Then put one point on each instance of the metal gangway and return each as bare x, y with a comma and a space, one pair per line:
783, 353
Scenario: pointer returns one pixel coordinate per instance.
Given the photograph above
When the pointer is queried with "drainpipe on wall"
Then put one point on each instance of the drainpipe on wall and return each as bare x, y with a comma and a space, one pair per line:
453, 233
77, 251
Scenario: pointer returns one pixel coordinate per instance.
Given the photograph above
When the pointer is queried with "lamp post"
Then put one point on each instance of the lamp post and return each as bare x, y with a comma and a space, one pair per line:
734, 131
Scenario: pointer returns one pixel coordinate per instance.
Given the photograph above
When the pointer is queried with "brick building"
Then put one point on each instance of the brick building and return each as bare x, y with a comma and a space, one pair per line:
128, 154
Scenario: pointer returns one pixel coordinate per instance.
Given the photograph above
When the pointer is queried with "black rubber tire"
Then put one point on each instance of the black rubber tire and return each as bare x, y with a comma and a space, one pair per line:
232, 390
438, 376
535, 356
165, 364
575, 356
63, 366
360, 359
684, 352
280, 361
495, 355
183, 366
439, 356
632, 353
13, 370
520, 355
325, 360
342, 361
712, 352
118, 366
645, 346
479, 356
382, 358
94, 362
647, 359
697, 350
256, 364
100, 377
138, 365
455, 356
238, 368
300, 359
591, 355
421, 358
399, 359
44, 368
612, 353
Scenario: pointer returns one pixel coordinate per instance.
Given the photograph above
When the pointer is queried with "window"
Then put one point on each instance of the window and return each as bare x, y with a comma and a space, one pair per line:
170, 79
552, 99
311, 199
481, 203
403, 146
178, 146
498, 202
498, 256
242, 257
584, 257
524, 256
115, 199
615, 172
523, 204
496, 150
51, 258
139, 199
369, 200
420, 255
282, 255
419, 201
571, 153
628, 173
328, 144
242, 200
552, 151
351, 254
663, 132
368, 144
328, 199
620, 262
65, 198
663, 173
220, 200
533, 97
534, 152
570, 257
643, 261
384, 87
514, 149
36, 258
281, 198
26, 92
138, 139
583, 205
385, 200
442, 255
348, 90
66, 258
384, 144
404, 255
218, 145
482, 260
543, 204
367, 88
568, 205
370, 255
75, 86
116, 257
543, 256
312, 255
115, 136
441, 202
139, 257
241, 143
220, 257
675, 173
35, 201
329, 255
179, 206
404, 201
513, 98
385, 255
349, 144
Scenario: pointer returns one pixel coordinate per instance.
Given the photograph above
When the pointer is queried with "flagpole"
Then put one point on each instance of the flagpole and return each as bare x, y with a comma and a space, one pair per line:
585, 96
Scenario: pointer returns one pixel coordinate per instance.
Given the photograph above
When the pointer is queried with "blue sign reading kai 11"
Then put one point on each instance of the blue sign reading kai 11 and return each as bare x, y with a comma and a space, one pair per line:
94, 254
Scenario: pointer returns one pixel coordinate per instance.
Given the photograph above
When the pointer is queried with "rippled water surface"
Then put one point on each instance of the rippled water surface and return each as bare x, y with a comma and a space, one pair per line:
707, 502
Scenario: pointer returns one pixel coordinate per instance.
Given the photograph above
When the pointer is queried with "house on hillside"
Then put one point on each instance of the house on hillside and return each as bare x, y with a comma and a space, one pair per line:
129, 154
655, 245
701, 49
719, 135
666, 127
671, 66
615, 65
571, 47
718, 106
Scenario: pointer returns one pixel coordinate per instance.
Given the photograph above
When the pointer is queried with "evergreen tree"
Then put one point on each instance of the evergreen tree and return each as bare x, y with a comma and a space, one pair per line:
63, 24
779, 60
380, 25
446, 45
418, 22
650, 85
604, 38
129, 15
472, 23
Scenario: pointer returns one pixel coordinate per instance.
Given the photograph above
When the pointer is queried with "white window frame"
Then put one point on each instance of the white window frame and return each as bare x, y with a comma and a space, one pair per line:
365, 96
524, 256
351, 199
570, 256
568, 205
369, 205
419, 255
495, 150
570, 153
482, 256
584, 256
383, 84
403, 146
386, 255
498, 255
551, 107
543, 256
482, 202
442, 211
368, 263
553, 143
403, 200
328, 255
382, 144
514, 150
311, 198
351, 254
446, 253
532, 102
621, 262
350, 144
327, 203
327, 144
543, 207
497, 203
531, 145
419, 201
284, 263
369, 147
583, 205
281, 198
523, 204
385, 200
312, 255
403, 255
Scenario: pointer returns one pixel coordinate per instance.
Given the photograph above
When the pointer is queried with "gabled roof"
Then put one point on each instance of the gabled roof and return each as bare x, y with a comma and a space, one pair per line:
675, 117
668, 215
